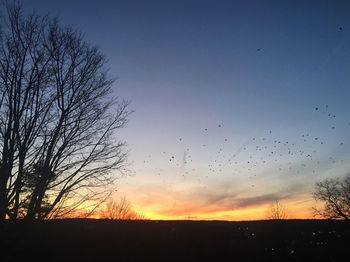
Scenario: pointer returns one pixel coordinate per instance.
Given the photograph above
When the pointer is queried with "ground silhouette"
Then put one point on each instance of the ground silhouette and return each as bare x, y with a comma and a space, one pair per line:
105, 240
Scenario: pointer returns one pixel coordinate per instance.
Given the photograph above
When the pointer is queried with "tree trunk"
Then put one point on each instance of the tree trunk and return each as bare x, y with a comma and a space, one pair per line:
3, 195
18, 186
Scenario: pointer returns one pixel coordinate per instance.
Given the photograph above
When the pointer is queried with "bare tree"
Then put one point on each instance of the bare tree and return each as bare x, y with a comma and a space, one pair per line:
58, 119
277, 211
121, 210
335, 194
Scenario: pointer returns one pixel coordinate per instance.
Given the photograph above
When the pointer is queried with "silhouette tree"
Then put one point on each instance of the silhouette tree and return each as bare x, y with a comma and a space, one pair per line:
121, 210
277, 211
58, 119
335, 193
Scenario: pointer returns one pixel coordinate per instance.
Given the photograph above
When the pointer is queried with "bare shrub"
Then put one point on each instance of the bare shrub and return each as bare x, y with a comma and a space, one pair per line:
277, 211
121, 209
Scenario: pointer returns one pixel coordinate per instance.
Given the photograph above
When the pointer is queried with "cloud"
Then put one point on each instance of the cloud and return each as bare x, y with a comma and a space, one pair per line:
260, 200
233, 201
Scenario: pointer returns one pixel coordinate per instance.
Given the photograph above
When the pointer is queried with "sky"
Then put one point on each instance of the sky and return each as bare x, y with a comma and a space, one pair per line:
236, 103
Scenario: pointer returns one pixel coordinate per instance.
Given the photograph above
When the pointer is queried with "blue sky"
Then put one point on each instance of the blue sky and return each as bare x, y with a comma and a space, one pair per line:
218, 82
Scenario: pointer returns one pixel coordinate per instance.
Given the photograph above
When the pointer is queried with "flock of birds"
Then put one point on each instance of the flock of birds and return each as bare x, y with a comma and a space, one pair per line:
298, 155
294, 155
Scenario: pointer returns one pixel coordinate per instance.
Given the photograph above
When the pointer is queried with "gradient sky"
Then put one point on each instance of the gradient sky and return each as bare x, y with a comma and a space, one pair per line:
225, 96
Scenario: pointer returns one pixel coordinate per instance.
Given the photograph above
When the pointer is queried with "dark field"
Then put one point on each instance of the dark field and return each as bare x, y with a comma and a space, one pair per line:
101, 240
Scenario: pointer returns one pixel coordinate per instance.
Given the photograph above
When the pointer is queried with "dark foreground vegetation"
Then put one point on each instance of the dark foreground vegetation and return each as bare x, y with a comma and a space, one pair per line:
103, 240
